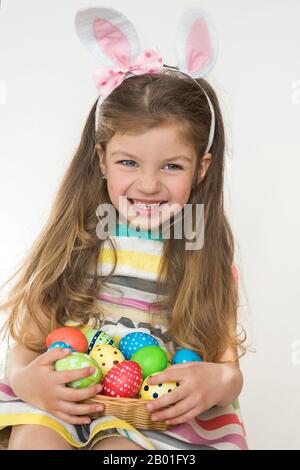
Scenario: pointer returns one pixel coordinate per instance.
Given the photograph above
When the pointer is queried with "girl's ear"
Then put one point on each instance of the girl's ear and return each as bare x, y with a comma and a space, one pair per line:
109, 35
196, 43
102, 157
203, 167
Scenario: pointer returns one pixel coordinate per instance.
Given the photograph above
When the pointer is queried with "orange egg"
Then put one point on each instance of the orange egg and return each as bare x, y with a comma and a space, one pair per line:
70, 335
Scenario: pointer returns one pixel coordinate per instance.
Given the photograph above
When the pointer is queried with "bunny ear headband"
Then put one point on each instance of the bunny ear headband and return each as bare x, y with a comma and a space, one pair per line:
113, 41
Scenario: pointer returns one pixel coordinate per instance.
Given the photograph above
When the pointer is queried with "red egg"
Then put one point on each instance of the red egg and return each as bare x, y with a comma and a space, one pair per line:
70, 335
123, 380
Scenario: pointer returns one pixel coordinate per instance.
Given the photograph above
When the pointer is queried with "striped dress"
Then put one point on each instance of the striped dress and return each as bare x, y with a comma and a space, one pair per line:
124, 305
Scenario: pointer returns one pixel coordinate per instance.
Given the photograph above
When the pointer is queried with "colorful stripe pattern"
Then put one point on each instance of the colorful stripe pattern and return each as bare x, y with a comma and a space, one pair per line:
14, 411
124, 304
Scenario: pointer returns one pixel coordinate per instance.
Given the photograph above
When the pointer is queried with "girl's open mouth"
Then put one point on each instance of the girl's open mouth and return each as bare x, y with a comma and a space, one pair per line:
146, 208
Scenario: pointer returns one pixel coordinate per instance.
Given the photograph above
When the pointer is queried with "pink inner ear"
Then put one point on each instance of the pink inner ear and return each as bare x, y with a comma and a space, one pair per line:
112, 41
198, 46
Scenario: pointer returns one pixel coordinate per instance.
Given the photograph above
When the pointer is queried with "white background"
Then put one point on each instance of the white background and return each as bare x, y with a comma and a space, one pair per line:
46, 91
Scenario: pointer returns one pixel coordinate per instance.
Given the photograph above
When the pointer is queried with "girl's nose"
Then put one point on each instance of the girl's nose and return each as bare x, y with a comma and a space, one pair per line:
149, 184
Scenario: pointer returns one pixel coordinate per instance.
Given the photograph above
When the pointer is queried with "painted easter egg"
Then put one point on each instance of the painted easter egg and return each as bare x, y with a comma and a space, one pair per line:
106, 356
117, 340
70, 335
132, 342
60, 344
78, 360
123, 380
151, 359
95, 337
151, 392
185, 355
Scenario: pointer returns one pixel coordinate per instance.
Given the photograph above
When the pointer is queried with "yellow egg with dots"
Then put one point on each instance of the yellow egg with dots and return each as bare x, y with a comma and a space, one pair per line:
106, 356
152, 392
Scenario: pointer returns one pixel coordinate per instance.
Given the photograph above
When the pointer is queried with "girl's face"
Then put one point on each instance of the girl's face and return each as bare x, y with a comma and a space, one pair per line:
153, 171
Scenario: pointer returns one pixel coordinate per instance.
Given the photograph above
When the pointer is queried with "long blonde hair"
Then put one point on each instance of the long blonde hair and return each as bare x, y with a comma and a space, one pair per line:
202, 297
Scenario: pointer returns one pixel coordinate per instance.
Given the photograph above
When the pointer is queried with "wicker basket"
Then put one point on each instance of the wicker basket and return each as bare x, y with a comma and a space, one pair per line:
132, 410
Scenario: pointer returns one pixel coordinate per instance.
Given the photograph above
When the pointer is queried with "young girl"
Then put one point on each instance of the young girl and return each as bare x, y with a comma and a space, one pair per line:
159, 142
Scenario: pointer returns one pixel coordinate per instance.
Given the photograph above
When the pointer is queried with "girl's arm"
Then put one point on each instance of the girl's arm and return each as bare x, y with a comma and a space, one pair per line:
19, 356
232, 377
202, 385
33, 379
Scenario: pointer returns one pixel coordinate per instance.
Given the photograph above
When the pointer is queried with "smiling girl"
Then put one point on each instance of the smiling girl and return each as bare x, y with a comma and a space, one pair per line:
159, 143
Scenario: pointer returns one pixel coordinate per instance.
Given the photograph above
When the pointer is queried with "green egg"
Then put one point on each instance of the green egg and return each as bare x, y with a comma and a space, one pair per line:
78, 360
151, 359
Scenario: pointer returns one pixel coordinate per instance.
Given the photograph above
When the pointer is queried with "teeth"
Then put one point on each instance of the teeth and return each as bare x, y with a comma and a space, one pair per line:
145, 206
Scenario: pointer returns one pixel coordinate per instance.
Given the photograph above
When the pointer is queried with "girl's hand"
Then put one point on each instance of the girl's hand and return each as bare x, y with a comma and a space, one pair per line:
202, 385
42, 386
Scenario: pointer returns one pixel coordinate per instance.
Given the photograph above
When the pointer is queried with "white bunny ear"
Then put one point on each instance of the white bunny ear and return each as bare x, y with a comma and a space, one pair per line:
109, 35
196, 43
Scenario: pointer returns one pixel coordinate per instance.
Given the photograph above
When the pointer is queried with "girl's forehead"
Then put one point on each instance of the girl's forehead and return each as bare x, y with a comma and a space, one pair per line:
167, 138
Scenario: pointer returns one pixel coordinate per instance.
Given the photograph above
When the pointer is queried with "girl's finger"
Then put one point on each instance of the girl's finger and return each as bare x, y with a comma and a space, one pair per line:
168, 375
72, 394
185, 417
66, 376
50, 357
184, 365
72, 419
178, 372
79, 409
180, 408
166, 400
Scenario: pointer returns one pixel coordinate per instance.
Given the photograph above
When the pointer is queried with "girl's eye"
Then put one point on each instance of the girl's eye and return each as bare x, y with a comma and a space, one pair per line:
121, 161
131, 161
174, 164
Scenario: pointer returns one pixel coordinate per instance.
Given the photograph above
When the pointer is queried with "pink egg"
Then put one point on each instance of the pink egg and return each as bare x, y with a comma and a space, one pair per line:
123, 380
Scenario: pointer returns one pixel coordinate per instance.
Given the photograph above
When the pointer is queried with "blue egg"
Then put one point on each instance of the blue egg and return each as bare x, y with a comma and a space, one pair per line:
60, 344
132, 342
185, 355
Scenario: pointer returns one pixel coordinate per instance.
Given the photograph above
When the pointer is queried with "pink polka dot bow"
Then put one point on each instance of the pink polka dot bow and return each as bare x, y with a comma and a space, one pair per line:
109, 78
113, 41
